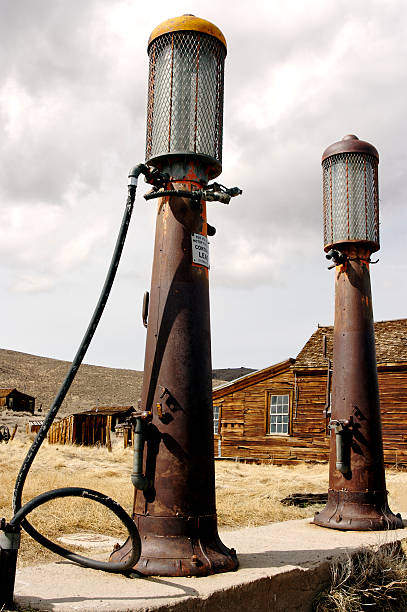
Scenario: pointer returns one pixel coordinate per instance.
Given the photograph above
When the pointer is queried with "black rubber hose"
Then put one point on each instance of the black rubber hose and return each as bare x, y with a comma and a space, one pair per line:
19, 517
33, 450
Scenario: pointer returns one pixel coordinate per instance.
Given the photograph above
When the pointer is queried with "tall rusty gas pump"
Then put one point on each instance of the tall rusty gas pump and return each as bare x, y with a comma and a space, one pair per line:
175, 480
357, 496
174, 503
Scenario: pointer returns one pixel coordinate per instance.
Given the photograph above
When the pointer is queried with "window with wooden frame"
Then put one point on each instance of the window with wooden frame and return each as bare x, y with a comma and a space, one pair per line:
216, 419
278, 413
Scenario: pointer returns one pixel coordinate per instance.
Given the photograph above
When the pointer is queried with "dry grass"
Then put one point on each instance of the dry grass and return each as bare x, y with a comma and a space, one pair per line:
247, 495
367, 580
62, 466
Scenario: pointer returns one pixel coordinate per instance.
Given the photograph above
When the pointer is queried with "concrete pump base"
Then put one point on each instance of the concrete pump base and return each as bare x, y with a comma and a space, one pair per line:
282, 567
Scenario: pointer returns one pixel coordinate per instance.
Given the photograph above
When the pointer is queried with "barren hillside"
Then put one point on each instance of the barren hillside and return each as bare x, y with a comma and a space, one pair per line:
93, 385
228, 374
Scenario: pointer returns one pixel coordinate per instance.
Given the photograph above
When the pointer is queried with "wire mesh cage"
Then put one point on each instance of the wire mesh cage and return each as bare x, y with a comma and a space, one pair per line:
350, 200
185, 97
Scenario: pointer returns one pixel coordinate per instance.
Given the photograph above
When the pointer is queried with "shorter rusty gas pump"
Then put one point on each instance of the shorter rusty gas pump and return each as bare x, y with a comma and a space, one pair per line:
357, 496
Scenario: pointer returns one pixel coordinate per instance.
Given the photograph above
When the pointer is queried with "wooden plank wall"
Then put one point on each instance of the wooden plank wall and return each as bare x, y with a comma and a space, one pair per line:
393, 405
128, 437
80, 429
86, 429
244, 426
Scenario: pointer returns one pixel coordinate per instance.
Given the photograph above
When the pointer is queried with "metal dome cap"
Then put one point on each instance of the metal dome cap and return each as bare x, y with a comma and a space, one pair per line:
188, 23
350, 144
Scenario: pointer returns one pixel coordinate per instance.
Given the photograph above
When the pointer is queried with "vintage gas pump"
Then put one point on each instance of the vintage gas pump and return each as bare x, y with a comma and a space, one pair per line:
357, 496
174, 508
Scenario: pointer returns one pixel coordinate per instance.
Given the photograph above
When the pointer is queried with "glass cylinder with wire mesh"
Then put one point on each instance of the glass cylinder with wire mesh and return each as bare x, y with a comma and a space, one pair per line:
185, 97
350, 195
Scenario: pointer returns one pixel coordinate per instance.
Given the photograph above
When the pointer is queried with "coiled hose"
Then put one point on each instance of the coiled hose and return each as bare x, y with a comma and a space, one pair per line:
20, 513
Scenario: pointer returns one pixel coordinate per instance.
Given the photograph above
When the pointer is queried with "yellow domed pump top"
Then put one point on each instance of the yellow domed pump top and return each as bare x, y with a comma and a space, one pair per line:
187, 23
185, 94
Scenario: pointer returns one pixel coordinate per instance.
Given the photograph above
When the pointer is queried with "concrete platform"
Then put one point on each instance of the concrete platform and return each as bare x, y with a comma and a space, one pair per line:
282, 567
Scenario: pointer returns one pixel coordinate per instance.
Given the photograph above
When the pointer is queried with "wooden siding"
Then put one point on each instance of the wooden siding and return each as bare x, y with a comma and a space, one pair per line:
248, 409
393, 404
90, 427
81, 429
243, 422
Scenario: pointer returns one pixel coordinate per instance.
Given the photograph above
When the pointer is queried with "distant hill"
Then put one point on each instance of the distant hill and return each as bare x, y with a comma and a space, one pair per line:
93, 386
228, 374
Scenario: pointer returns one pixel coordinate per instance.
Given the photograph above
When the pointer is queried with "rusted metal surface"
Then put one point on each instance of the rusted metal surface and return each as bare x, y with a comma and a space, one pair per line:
176, 515
357, 498
350, 144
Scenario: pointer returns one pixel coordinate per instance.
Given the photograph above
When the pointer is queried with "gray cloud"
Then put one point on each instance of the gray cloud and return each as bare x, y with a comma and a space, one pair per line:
72, 120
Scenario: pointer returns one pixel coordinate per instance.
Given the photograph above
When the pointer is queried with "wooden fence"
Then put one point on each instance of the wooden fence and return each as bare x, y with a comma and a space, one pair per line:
85, 429
89, 430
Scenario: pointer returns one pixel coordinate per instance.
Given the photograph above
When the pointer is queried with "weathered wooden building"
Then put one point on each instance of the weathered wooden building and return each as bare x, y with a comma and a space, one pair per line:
89, 427
11, 399
277, 414
33, 426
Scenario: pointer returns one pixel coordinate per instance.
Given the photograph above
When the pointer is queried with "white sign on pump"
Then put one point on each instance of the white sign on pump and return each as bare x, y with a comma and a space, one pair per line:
200, 250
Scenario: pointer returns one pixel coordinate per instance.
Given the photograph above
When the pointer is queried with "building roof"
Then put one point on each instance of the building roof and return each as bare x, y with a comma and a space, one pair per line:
391, 349
391, 345
6, 392
108, 410
251, 379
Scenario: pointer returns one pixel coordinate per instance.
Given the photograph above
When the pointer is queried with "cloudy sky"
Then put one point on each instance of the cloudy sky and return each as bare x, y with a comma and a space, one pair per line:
299, 76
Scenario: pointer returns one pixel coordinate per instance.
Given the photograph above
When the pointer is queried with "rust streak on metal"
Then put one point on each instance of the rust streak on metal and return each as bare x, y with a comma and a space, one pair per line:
347, 196
171, 92
330, 197
365, 194
150, 104
196, 90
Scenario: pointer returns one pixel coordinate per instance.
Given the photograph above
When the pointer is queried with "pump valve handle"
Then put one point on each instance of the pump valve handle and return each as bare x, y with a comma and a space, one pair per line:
212, 193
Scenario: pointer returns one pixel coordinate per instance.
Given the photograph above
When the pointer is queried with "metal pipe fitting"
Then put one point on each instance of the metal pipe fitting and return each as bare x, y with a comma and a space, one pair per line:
343, 435
9, 545
138, 479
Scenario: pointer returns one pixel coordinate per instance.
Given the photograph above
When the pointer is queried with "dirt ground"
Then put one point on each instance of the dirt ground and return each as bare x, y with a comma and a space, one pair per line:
247, 495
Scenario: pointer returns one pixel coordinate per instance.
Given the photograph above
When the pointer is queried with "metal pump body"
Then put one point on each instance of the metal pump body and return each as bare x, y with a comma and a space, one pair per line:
176, 513
357, 496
